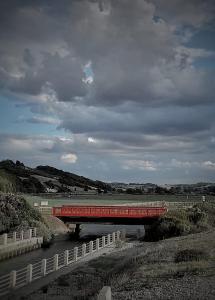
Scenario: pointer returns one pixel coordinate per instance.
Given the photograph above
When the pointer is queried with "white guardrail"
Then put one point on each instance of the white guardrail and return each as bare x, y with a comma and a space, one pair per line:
31, 272
13, 237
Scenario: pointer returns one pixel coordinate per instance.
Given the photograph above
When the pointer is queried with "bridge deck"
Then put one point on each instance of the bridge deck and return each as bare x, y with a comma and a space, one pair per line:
92, 211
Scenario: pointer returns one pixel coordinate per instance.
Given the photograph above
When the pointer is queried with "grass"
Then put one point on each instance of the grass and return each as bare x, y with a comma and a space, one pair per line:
114, 199
190, 255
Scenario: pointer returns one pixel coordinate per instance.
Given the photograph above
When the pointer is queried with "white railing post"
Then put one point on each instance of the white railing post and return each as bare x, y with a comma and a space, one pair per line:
103, 241
66, 257
29, 273
55, 262
21, 235
118, 235
30, 233
105, 293
14, 236
108, 240
43, 267
113, 237
5, 239
91, 246
97, 244
84, 249
12, 279
75, 253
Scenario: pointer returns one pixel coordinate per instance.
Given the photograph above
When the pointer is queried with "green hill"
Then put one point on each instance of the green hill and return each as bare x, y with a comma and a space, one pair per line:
16, 177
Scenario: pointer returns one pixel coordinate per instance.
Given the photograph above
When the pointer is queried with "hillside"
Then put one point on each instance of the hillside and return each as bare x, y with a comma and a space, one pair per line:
16, 177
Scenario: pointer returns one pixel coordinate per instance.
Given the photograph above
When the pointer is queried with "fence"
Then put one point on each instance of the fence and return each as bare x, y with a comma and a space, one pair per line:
31, 272
13, 237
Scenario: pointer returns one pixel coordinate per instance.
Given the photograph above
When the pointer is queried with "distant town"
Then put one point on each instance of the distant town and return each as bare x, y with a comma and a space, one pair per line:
150, 188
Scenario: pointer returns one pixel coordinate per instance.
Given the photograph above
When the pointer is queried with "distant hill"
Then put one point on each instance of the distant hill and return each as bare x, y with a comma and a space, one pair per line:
16, 177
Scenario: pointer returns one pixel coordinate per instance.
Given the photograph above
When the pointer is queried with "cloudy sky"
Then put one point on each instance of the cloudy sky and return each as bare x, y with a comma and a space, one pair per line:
116, 90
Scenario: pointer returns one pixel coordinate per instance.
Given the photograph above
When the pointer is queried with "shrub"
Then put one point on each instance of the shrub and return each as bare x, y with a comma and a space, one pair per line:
17, 214
190, 255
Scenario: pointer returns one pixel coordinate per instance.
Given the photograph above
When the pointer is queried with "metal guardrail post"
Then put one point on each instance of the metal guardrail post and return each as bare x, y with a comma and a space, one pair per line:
84, 249
5, 239
55, 262
97, 244
43, 267
75, 253
103, 241
66, 257
12, 279
29, 273
91, 247
118, 235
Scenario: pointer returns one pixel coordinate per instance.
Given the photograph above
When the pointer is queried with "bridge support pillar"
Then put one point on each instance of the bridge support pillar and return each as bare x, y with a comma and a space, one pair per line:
77, 230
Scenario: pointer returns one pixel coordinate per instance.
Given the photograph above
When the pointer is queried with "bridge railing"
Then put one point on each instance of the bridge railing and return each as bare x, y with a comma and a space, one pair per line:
18, 278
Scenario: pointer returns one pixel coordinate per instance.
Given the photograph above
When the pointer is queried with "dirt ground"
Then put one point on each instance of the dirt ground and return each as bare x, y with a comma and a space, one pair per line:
176, 268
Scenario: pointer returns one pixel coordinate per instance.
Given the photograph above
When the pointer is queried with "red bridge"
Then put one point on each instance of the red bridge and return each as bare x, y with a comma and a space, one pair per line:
110, 214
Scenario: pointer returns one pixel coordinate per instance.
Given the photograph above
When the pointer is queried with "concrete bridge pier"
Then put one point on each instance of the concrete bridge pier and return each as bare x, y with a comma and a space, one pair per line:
77, 230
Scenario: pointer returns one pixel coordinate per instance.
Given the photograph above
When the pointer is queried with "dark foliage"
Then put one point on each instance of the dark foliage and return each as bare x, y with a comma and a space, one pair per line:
16, 177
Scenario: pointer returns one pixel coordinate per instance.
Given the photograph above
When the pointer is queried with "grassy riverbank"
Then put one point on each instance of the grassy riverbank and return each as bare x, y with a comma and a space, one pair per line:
108, 199
176, 268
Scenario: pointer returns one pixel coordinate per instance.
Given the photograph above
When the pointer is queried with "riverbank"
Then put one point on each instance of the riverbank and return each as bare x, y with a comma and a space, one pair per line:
176, 268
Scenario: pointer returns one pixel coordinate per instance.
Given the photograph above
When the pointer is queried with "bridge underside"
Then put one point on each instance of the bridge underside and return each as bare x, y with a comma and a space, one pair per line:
103, 220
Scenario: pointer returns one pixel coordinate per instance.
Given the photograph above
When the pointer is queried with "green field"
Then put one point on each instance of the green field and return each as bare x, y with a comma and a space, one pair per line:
114, 199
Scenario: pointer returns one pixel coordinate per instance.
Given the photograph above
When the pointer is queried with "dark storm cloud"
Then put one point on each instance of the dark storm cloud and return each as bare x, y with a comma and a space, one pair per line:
133, 54
148, 95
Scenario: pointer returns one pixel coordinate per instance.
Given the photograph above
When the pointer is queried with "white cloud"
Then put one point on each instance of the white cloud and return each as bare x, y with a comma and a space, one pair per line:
69, 158
140, 164
208, 165
91, 140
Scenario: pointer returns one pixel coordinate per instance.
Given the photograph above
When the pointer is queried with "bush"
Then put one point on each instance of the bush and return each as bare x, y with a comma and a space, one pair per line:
182, 222
17, 214
190, 255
